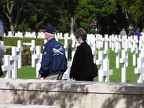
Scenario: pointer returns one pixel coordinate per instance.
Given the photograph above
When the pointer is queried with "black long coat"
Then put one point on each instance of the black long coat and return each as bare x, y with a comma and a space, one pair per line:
83, 67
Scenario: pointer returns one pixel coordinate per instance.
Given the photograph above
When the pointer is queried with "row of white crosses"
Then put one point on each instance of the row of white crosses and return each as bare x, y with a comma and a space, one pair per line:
33, 52
103, 62
37, 57
35, 35
11, 62
14, 61
115, 44
124, 59
106, 72
140, 62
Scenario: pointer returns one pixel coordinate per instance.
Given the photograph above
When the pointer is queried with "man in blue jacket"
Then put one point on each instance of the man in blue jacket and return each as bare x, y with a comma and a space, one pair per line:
54, 61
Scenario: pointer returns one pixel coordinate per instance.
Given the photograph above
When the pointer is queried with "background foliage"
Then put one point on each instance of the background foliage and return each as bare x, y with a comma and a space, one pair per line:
67, 15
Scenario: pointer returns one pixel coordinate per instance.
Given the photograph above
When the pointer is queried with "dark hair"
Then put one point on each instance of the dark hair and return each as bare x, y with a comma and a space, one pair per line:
81, 33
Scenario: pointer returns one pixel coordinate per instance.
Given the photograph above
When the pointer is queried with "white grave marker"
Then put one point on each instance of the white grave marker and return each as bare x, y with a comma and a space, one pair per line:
106, 50
7, 66
19, 52
123, 60
140, 69
33, 51
73, 47
38, 57
133, 50
99, 63
66, 46
14, 57
117, 51
106, 71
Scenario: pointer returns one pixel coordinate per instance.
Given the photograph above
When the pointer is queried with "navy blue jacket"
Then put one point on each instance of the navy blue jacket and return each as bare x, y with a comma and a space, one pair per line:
54, 60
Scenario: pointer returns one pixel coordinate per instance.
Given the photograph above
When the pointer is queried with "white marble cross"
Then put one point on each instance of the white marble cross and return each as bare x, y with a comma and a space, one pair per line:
19, 52
14, 58
38, 57
123, 60
126, 50
117, 51
106, 71
106, 50
140, 69
124, 38
66, 46
33, 51
133, 50
91, 40
112, 42
73, 45
99, 63
7, 66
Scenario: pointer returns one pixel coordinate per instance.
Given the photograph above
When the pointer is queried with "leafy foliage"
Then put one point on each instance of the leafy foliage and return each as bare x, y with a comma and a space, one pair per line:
65, 15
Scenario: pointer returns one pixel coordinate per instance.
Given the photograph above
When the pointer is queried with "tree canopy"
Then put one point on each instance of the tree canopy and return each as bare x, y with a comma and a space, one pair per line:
109, 16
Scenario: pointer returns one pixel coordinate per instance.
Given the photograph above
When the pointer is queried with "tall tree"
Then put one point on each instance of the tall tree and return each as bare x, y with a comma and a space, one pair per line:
66, 20
137, 10
94, 9
12, 9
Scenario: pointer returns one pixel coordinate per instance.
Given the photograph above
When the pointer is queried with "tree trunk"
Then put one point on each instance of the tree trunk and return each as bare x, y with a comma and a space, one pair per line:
9, 13
72, 25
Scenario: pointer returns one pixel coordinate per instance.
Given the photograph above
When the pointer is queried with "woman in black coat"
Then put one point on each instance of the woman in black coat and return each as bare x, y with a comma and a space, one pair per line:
83, 67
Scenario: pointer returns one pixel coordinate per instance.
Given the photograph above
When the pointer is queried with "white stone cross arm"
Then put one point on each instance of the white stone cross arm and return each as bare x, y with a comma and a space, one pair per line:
19, 52
7, 66
14, 58
123, 60
33, 51
106, 71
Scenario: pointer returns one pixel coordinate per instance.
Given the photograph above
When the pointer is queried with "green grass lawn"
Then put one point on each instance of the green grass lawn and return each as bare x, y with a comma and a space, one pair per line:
27, 72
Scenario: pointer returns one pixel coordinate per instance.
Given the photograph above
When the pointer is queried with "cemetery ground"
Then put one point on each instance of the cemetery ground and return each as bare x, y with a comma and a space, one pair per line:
28, 72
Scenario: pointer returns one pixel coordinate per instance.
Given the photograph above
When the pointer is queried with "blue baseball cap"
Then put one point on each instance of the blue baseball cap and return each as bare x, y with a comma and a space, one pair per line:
50, 29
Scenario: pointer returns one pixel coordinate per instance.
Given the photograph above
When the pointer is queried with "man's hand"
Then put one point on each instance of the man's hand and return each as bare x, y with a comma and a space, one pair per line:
39, 76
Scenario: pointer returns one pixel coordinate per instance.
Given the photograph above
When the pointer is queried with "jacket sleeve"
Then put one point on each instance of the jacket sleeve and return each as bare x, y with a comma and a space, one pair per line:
76, 64
46, 60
